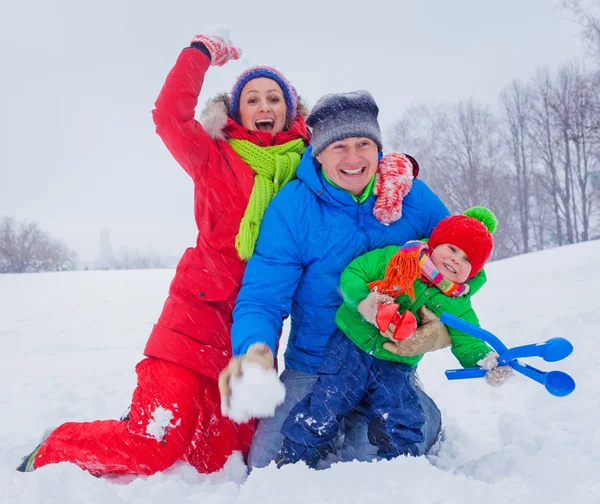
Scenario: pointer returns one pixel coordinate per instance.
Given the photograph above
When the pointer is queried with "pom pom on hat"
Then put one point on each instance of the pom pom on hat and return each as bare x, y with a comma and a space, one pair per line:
471, 232
484, 215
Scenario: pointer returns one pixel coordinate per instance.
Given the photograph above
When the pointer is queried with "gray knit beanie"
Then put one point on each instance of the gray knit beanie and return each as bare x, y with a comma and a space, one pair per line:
343, 115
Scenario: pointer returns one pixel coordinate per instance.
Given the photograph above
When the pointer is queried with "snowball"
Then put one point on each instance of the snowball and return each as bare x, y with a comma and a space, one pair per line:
255, 394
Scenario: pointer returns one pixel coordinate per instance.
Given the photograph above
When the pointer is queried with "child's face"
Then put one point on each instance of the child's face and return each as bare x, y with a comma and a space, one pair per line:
452, 262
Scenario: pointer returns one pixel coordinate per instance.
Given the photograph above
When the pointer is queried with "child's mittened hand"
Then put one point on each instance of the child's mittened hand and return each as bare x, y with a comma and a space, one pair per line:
496, 375
221, 49
368, 307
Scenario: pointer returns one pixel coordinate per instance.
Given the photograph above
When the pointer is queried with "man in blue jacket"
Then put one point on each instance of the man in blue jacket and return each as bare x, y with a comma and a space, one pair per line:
312, 229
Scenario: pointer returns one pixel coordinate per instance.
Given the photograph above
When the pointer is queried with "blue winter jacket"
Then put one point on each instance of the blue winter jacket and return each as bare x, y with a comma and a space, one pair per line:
310, 232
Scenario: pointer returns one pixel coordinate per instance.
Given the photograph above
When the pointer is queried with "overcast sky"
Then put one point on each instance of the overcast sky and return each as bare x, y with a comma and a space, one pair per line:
79, 79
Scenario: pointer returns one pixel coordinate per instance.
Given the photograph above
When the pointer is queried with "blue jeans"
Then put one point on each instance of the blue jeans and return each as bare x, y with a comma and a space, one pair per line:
352, 443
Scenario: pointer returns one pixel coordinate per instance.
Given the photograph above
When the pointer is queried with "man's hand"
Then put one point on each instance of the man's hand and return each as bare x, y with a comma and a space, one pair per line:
389, 332
220, 48
496, 375
258, 352
431, 335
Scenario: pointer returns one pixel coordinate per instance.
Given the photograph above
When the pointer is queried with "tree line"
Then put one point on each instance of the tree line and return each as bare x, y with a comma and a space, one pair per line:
534, 159
26, 248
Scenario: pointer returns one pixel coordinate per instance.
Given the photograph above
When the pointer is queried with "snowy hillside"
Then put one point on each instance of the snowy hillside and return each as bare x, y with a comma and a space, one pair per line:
70, 341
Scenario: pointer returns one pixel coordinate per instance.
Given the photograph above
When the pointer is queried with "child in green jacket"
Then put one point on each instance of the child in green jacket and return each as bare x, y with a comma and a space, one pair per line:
357, 368
432, 274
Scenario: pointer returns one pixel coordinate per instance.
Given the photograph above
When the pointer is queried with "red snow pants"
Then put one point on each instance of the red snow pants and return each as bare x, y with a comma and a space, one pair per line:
175, 414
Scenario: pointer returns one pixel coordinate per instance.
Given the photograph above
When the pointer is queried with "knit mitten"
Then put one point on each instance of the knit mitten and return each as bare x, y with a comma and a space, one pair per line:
496, 375
220, 48
394, 181
368, 307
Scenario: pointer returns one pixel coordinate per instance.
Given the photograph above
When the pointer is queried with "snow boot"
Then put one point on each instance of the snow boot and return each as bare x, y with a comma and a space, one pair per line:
26, 464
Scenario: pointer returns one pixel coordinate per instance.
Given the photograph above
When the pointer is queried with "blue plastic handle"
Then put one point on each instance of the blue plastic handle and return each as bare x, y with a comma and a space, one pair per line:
558, 383
553, 350
473, 330
461, 374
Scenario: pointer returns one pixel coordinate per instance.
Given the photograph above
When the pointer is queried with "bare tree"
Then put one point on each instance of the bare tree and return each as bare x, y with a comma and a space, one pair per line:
516, 101
542, 214
566, 125
416, 133
460, 152
587, 14
583, 134
470, 155
546, 131
537, 168
25, 248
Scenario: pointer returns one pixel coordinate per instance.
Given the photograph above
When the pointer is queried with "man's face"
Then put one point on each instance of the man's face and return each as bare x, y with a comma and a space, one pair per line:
452, 262
350, 163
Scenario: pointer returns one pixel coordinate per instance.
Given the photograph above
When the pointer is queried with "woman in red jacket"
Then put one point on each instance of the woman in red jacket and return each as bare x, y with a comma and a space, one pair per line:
246, 149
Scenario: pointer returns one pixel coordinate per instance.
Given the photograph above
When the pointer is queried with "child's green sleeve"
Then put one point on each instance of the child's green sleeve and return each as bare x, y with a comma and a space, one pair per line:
477, 282
364, 269
466, 348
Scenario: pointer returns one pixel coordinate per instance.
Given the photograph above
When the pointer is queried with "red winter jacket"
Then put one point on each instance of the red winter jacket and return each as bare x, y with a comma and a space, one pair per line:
194, 327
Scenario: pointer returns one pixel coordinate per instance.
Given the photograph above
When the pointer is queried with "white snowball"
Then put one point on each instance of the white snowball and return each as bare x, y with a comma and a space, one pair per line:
255, 394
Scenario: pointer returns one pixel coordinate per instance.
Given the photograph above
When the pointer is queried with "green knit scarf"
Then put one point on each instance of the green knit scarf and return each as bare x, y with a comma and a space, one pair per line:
275, 166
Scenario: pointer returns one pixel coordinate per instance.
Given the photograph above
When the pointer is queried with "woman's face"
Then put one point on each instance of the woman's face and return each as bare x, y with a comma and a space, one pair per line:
262, 106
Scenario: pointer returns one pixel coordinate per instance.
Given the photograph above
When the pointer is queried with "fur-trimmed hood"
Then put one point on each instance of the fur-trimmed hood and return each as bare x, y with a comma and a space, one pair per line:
215, 114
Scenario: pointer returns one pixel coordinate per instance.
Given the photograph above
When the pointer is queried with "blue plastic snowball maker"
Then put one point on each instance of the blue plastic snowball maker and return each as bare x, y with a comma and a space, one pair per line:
556, 382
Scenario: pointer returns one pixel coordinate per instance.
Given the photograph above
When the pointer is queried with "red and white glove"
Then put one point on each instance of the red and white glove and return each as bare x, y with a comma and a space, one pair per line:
496, 375
394, 181
221, 49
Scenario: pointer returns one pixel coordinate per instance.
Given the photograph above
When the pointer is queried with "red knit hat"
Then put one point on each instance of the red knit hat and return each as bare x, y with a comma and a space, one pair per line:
471, 232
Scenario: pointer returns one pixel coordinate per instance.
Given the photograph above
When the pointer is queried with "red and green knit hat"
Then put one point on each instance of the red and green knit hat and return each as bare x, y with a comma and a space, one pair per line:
472, 232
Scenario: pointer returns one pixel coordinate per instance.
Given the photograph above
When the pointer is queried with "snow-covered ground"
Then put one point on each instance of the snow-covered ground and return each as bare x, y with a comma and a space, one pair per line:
69, 343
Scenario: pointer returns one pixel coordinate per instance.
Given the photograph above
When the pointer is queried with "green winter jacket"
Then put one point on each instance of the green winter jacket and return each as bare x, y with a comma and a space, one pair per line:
370, 267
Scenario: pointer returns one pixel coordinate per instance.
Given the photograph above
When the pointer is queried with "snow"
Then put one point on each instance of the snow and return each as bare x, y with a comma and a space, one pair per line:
255, 394
160, 422
70, 342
